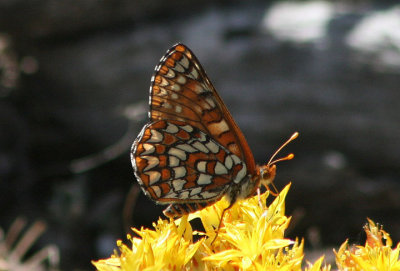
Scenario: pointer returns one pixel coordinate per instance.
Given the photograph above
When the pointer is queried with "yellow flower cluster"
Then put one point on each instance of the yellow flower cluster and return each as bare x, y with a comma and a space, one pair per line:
377, 254
251, 237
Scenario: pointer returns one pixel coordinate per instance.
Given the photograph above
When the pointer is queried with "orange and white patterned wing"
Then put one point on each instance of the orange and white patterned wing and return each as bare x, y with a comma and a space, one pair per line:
178, 163
180, 90
191, 153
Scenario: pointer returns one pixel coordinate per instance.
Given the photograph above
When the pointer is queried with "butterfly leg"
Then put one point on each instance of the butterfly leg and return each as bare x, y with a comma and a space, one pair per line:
274, 193
259, 197
221, 219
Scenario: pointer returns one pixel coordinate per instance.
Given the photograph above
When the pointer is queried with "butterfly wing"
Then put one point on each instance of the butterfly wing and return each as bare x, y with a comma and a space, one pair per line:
191, 152
178, 163
180, 90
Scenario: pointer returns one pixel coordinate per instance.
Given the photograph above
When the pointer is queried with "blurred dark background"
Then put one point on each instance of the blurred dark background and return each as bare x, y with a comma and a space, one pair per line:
74, 79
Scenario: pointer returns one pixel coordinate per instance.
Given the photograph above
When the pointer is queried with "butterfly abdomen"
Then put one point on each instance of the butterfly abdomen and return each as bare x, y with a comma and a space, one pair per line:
177, 210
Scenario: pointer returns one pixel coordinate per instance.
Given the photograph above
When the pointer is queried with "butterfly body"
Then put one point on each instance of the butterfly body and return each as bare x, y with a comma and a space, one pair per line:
192, 153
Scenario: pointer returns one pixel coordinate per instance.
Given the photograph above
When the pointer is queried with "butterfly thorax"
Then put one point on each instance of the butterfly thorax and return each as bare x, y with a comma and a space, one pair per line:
264, 175
248, 186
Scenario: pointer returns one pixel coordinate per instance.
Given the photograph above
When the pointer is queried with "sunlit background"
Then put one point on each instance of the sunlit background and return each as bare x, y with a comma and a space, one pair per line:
74, 80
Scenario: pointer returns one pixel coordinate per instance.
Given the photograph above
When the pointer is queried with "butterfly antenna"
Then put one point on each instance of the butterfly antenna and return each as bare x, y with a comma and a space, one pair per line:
288, 157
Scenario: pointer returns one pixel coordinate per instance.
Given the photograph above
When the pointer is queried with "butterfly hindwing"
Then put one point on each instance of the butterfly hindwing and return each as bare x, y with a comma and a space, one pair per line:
177, 162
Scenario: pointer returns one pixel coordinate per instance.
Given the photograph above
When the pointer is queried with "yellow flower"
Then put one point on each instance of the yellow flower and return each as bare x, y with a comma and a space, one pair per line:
251, 237
168, 247
317, 266
375, 255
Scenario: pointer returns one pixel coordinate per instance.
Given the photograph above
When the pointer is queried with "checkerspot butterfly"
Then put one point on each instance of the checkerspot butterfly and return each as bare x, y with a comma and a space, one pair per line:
191, 153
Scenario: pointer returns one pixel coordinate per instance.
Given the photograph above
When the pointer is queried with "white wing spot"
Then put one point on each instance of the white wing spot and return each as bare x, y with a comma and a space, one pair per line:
170, 74
220, 127
163, 82
201, 166
220, 169
152, 161
156, 190
162, 92
181, 79
186, 148
211, 102
204, 179
179, 172
148, 149
175, 87
209, 195
178, 184
194, 74
179, 67
171, 195
212, 147
195, 191
154, 176
236, 159
184, 195
199, 89
187, 128
167, 105
155, 136
228, 162
171, 128
173, 161
202, 137
184, 62
174, 96
178, 153
178, 109
198, 145
241, 174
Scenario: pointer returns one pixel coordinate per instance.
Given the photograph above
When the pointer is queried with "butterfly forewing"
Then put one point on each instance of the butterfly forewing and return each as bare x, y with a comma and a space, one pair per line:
191, 153
181, 90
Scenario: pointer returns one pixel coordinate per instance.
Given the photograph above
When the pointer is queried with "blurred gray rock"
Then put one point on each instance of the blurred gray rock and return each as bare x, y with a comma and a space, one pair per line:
58, 18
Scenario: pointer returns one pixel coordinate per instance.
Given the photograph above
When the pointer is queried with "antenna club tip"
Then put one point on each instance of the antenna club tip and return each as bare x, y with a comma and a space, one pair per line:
294, 136
289, 157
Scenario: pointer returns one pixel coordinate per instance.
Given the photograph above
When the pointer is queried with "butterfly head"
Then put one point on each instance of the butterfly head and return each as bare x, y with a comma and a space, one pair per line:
267, 172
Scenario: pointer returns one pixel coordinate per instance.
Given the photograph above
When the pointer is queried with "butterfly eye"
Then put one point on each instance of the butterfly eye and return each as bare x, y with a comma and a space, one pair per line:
267, 172
265, 175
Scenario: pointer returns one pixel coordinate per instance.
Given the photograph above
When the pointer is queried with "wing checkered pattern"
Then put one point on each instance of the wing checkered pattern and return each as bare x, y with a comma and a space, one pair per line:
191, 153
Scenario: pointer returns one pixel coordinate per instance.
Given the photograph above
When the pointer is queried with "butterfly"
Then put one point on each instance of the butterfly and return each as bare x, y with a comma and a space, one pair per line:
192, 153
